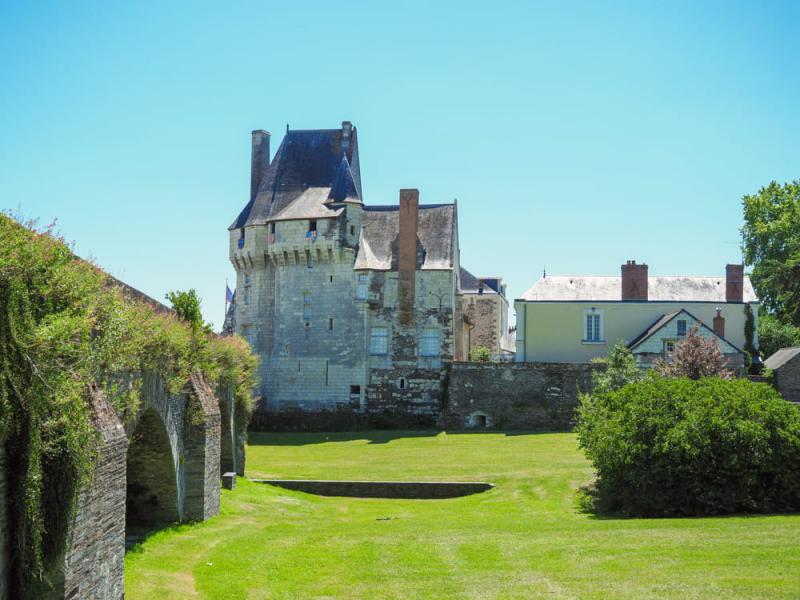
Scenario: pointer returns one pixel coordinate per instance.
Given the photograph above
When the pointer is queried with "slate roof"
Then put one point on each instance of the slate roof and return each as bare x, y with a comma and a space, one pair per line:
664, 289
381, 225
470, 284
306, 160
781, 357
663, 320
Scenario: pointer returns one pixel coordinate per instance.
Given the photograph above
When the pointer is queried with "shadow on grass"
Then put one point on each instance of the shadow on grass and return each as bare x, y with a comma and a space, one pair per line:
382, 436
136, 536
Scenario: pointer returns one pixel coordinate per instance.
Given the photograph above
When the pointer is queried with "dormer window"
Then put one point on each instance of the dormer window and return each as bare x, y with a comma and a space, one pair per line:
312, 225
241, 238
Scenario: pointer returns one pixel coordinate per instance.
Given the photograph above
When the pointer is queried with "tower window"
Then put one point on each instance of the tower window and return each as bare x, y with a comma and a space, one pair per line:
362, 286
247, 288
309, 261
312, 225
306, 306
330, 324
272, 227
429, 342
352, 229
379, 340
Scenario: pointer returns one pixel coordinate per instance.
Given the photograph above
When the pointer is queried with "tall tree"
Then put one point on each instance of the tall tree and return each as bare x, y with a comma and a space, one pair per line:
771, 241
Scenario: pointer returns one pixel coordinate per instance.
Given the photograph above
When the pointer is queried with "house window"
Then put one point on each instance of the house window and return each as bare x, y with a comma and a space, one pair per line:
306, 306
429, 342
362, 286
593, 326
681, 328
379, 340
355, 395
402, 383
272, 228
247, 288
669, 348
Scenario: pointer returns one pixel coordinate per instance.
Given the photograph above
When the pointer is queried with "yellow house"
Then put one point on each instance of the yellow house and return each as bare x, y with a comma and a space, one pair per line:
573, 319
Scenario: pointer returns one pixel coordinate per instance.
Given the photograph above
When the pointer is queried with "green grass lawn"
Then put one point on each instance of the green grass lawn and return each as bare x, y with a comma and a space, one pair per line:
524, 539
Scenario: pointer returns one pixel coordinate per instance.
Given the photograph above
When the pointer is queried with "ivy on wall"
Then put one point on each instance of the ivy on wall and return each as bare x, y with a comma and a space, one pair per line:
65, 325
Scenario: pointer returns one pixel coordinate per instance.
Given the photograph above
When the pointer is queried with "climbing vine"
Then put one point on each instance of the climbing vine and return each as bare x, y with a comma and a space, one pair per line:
65, 326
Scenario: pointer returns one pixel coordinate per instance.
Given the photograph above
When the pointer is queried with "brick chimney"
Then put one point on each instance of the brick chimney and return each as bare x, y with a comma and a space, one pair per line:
719, 324
347, 132
734, 283
634, 281
409, 220
259, 159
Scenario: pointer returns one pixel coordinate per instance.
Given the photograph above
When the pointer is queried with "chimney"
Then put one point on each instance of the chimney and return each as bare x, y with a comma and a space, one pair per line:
719, 324
347, 131
634, 281
409, 215
734, 283
259, 160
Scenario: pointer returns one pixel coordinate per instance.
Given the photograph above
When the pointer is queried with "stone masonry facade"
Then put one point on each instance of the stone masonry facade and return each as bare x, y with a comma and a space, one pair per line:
537, 396
350, 307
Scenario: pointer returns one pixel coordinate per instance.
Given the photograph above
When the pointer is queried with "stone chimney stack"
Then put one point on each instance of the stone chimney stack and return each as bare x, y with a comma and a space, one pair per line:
259, 159
719, 324
347, 133
409, 221
734, 283
634, 281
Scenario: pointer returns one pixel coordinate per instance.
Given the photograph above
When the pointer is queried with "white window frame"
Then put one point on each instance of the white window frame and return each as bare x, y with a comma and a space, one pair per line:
678, 327
430, 342
379, 341
597, 333
361, 282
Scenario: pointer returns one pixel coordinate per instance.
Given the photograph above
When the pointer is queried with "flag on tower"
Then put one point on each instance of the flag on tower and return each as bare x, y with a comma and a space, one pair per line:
228, 294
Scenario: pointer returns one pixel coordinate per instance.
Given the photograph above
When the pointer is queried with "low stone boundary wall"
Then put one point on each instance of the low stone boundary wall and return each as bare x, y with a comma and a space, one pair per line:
412, 490
539, 396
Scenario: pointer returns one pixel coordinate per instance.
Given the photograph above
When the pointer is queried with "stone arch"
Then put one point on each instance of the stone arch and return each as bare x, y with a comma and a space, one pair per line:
152, 483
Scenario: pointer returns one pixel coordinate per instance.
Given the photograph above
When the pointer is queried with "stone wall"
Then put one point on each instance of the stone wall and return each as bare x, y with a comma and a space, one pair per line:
232, 440
93, 566
539, 396
202, 447
787, 379
4, 533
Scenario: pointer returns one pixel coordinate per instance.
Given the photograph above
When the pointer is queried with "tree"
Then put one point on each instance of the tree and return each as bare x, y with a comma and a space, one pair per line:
480, 354
774, 335
187, 305
695, 357
771, 244
620, 370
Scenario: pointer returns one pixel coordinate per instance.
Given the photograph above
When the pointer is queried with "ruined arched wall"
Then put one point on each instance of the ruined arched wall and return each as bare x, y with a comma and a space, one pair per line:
232, 441
93, 566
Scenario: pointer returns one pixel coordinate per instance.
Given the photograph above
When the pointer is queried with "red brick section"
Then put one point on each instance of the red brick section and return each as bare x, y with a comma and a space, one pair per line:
407, 256
734, 283
719, 324
634, 281
259, 160
409, 220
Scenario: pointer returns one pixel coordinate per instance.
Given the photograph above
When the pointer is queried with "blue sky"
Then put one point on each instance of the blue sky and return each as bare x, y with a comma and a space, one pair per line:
574, 135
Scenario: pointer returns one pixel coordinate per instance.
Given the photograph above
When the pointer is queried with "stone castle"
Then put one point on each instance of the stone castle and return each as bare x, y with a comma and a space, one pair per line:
349, 306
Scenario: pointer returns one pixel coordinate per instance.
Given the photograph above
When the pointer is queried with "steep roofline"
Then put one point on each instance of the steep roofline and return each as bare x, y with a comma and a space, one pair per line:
638, 342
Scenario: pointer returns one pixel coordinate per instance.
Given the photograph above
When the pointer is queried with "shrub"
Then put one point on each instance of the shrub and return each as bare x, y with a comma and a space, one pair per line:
671, 447
694, 357
480, 354
620, 370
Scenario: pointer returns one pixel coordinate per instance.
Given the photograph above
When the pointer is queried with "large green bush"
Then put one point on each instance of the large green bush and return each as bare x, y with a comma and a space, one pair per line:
670, 447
